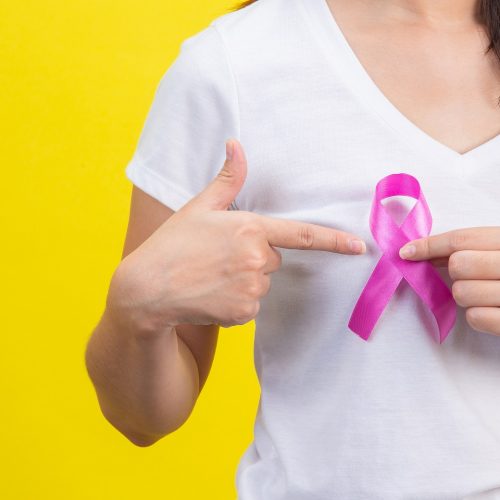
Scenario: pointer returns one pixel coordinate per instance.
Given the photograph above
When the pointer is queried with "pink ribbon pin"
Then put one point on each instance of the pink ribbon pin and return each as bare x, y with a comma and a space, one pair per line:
391, 268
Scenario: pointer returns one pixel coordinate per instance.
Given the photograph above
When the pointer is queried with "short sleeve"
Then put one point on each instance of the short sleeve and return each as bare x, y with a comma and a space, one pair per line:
194, 111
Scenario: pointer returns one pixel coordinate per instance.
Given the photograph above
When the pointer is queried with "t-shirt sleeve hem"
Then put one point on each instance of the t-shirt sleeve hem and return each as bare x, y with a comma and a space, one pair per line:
156, 186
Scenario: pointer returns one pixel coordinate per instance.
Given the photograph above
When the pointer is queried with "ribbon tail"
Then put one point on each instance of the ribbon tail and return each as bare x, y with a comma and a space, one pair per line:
434, 292
446, 315
374, 298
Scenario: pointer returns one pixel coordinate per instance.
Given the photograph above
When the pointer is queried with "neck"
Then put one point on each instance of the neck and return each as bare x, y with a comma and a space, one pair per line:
432, 11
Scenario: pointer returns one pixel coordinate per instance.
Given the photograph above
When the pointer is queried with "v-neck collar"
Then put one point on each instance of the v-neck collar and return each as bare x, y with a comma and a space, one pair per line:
346, 65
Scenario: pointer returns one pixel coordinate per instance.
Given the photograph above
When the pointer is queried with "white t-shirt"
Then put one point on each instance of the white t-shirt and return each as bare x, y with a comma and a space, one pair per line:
396, 417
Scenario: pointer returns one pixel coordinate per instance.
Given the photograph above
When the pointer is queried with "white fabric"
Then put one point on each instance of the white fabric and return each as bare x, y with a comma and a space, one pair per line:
398, 417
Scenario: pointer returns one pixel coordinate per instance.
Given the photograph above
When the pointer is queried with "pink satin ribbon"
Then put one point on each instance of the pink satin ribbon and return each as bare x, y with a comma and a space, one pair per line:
422, 276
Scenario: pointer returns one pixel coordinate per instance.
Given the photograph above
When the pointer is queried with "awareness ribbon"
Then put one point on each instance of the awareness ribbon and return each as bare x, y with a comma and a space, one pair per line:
391, 268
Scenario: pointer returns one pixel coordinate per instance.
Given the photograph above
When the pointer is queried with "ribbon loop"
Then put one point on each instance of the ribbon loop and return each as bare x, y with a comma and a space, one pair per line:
391, 268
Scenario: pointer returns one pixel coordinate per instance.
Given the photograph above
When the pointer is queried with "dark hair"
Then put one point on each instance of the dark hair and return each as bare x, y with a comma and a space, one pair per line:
241, 5
488, 14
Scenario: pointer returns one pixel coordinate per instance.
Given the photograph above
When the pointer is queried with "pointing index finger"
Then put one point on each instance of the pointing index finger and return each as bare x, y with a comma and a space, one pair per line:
294, 234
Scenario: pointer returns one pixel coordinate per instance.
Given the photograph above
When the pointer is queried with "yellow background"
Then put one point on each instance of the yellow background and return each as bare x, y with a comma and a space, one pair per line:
77, 78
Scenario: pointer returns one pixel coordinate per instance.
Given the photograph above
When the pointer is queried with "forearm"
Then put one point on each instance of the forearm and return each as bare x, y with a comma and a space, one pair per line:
147, 385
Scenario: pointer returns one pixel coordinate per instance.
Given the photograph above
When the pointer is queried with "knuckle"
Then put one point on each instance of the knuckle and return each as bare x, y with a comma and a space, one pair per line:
458, 291
426, 249
246, 225
255, 259
458, 240
335, 241
473, 317
250, 226
225, 174
255, 289
454, 264
246, 312
305, 236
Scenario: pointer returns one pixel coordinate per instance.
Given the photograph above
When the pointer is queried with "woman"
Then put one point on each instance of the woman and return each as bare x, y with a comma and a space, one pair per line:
327, 97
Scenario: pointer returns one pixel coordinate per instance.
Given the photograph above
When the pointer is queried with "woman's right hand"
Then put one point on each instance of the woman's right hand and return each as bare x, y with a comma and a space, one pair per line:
207, 265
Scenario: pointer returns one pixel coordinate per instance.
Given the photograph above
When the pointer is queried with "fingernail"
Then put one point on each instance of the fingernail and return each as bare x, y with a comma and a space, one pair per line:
407, 251
229, 150
357, 246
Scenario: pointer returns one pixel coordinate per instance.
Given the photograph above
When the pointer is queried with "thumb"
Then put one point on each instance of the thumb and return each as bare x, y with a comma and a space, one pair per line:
222, 190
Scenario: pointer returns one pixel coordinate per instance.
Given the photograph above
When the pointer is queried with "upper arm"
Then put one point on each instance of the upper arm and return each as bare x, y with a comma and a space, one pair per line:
146, 215
180, 150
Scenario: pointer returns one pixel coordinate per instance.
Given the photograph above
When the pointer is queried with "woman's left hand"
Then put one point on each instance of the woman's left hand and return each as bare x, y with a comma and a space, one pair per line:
473, 259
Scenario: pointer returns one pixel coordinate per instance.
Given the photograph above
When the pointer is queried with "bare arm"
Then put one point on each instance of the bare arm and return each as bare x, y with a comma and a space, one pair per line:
147, 383
206, 266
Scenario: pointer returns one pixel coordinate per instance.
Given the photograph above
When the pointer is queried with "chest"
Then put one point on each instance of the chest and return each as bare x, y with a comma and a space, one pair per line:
439, 78
320, 132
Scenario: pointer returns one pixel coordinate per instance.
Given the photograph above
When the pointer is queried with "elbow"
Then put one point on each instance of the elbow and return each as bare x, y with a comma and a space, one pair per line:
142, 441
145, 440
135, 436
138, 438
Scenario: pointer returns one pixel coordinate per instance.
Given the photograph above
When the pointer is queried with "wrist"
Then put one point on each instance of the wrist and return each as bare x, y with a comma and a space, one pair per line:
134, 327
128, 314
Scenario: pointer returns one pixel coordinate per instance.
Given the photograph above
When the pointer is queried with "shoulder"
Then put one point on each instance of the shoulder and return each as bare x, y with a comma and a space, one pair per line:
248, 46
251, 27
254, 19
